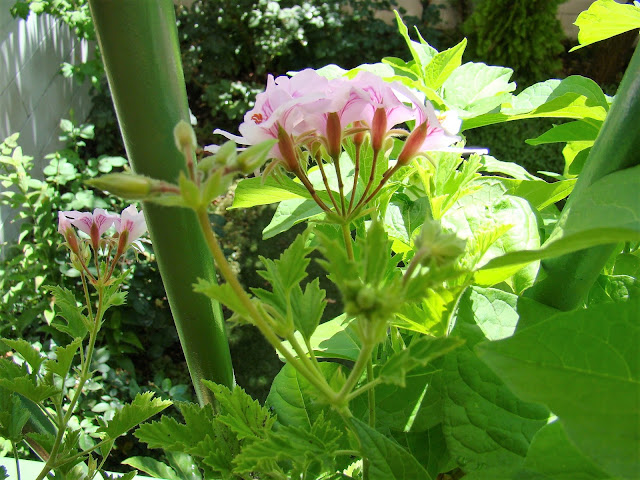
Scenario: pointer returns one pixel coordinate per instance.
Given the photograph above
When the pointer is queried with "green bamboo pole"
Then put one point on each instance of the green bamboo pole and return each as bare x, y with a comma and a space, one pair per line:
139, 44
569, 277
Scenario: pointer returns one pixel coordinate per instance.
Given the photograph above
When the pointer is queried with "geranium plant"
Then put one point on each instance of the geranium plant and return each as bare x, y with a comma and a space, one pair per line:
486, 333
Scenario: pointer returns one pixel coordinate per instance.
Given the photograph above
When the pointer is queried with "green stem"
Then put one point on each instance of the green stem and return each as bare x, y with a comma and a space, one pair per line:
356, 174
372, 176
308, 364
312, 191
325, 180
84, 377
141, 37
363, 389
346, 235
227, 273
15, 456
371, 395
336, 166
361, 363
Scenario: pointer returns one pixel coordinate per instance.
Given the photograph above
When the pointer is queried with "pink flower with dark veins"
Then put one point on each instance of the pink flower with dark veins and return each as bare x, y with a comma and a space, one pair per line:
131, 224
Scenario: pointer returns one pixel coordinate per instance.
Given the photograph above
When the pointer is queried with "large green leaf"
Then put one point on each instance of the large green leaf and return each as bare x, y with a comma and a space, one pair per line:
258, 191
152, 467
334, 339
578, 131
484, 422
443, 64
605, 19
574, 97
77, 324
584, 366
293, 399
489, 209
605, 212
288, 214
476, 88
538, 193
387, 459
552, 456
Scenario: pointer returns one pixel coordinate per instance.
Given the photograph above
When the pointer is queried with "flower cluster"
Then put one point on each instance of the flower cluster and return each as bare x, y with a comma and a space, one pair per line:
310, 110
129, 226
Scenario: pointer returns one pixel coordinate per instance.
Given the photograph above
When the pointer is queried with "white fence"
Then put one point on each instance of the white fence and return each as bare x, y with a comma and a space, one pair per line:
33, 95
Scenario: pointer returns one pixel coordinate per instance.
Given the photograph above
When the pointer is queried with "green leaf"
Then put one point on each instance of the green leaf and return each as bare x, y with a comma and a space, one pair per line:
421, 352
604, 19
309, 451
578, 131
152, 467
387, 459
592, 382
490, 164
26, 351
489, 209
422, 53
290, 269
293, 399
222, 293
552, 456
484, 422
251, 192
605, 213
241, 413
538, 193
27, 387
443, 64
308, 307
13, 416
288, 214
430, 316
143, 406
77, 324
429, 448
574, 97
64, 358
476, 88
334, 339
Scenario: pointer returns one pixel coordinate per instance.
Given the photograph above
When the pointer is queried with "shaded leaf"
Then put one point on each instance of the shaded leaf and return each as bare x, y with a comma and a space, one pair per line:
143, 406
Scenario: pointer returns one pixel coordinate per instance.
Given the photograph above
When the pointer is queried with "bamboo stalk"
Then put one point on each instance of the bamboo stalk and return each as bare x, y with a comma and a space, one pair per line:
139, 44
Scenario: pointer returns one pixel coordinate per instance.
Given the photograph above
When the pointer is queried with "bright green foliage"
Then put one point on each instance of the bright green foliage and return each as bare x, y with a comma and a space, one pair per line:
389, 461
143, 407
525, 35
605, 19
590, 382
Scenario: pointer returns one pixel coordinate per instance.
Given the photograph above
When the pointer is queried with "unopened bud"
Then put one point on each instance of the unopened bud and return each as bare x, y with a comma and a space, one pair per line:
358, 138
413, 143
438, 245
184, 136
253, 157
378, 129
287, 149
125, 185
334, 135
225, 156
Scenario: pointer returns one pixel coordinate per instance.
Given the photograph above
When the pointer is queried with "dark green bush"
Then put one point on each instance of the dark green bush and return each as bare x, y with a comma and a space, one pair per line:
525, 35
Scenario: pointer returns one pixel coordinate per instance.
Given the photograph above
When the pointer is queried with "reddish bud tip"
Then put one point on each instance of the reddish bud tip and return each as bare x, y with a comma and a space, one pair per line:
334, 135
378, 129
287, 149
413, 143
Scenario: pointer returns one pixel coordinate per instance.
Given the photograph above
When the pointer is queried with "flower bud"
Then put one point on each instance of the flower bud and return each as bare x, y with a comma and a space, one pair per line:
437, 245
334, 135
413, 143
125, 185
358, 138
184, 136
378, 129
287, 150
254, 156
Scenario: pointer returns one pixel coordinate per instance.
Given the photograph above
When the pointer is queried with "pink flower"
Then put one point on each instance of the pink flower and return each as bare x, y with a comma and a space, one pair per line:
131, 224
93, 225
281, 105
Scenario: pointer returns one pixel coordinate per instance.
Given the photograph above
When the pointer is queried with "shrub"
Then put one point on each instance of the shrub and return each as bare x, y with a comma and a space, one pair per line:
524, 35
